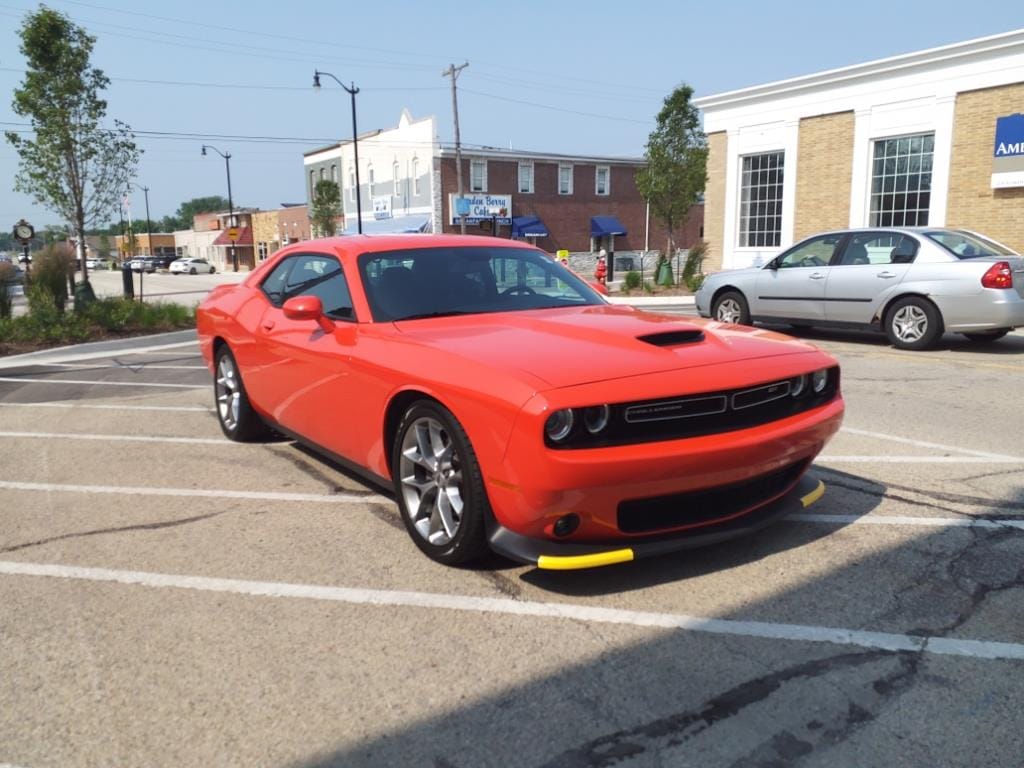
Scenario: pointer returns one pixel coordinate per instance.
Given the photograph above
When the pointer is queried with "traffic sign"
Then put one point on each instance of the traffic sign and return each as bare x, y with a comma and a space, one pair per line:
233, 234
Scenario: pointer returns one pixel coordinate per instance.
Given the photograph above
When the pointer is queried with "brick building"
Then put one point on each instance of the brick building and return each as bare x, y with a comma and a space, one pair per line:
408, 182
926, 138
274, 229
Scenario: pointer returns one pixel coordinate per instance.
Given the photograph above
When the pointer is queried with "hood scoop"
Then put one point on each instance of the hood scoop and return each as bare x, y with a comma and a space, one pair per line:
673, 338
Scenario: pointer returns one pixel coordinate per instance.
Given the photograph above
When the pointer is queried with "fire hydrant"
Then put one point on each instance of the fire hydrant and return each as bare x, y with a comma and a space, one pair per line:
601, 271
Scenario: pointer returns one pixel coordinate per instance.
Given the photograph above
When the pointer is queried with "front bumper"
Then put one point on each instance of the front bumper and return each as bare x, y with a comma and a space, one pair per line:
563, 556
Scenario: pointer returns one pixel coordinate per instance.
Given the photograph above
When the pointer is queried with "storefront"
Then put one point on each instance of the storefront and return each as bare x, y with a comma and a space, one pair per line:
928, 138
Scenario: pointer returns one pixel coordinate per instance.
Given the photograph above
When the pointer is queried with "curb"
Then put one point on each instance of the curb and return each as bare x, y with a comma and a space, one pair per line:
659, 301
98, 349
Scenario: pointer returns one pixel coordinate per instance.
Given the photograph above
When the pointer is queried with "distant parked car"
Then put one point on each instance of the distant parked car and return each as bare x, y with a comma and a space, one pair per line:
142, 264
192, 267
912, 283
98, 263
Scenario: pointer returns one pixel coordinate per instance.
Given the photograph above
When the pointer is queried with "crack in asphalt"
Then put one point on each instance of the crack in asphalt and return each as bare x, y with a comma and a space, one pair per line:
120, 529
681, 727
951, 498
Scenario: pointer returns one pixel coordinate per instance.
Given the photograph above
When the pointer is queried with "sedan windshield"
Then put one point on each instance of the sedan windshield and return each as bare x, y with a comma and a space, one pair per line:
966, 245
418, 283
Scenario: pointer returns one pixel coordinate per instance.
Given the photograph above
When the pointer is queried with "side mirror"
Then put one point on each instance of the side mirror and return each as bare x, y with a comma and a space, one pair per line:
772, 265
308, 308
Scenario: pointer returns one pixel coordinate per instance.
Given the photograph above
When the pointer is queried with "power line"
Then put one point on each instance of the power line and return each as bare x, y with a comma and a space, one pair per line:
558, 109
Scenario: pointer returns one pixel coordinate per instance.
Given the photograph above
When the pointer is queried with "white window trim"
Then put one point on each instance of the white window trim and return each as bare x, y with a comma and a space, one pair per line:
608, 180
370, 181
483, 186
394, 173
561, 167
352, 185
520, 167
415, 176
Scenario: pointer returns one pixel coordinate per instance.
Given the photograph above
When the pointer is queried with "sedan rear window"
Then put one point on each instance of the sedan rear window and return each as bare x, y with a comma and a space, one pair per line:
965, 245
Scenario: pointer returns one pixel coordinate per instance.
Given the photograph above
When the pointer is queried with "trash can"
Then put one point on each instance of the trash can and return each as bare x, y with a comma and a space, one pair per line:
664, 274
127, 280
84, 295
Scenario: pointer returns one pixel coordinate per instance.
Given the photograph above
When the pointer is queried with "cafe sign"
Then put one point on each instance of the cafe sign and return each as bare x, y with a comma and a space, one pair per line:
482, 207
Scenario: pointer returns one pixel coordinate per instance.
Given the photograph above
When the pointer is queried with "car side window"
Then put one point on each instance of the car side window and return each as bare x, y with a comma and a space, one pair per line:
274, 284
321, 276
816, 252
875, 248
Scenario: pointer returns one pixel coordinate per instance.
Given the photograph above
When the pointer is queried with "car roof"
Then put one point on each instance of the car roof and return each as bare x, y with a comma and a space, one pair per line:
374, 243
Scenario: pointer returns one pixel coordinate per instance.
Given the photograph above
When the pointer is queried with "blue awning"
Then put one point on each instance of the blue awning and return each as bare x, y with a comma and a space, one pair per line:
601, 226
528, 226
393, 226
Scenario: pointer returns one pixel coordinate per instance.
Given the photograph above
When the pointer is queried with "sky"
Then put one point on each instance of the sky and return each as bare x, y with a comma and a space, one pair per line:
570, 77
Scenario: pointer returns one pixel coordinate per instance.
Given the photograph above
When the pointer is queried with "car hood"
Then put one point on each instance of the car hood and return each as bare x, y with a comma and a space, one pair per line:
568, 347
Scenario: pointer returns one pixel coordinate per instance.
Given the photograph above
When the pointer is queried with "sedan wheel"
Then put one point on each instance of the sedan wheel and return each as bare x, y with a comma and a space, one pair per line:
192, 271
438, 484
913, 323
237, 419
731, 307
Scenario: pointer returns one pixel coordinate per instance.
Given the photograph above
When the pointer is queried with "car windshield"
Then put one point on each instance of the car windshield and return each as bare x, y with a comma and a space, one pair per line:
965, 245
435, 282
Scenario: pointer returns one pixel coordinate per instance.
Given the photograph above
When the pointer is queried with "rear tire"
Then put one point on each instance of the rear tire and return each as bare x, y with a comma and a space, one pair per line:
913, 323
731, 307
986, 338
438, 485
238, 421
192, 271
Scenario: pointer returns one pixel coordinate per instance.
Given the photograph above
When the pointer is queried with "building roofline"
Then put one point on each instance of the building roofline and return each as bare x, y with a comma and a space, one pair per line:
1013, 41
522, 154
343, 142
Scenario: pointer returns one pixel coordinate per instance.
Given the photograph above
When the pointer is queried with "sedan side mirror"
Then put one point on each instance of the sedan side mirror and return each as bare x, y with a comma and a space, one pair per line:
772, 265
308, 308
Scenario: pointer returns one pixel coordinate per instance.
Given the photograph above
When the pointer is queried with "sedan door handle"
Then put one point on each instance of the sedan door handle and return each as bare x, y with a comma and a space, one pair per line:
816, 276
887, 274
268, 324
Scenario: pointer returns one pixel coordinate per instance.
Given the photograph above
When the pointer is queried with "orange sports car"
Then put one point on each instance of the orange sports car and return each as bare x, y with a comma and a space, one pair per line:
512, 408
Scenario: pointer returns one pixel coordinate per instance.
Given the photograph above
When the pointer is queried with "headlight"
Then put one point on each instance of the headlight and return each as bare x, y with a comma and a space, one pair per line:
818, 381
798, 386
559, 425
596, 418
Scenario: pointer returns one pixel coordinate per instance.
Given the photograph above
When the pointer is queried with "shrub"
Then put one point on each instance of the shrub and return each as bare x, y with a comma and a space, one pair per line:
50, 270
632, 280
693, 269
8, 278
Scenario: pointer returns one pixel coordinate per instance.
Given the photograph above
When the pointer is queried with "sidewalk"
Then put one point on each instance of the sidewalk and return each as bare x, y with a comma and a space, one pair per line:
98, 349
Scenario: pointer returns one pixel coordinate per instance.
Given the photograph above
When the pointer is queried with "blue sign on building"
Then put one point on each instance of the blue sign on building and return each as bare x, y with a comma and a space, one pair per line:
1009, 136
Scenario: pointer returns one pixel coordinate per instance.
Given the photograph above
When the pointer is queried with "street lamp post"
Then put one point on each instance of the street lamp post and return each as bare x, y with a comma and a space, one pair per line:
352, 91
231, 204
149, 231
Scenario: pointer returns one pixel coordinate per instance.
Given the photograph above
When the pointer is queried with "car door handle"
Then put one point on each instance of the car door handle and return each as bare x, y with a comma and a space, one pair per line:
267, 324
886, 275
816, 276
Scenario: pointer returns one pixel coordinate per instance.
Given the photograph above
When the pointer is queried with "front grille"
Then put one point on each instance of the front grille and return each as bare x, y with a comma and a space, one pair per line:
706, 505
705, 413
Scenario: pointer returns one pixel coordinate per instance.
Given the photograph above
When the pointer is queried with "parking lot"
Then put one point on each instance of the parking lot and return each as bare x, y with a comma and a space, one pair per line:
169, 598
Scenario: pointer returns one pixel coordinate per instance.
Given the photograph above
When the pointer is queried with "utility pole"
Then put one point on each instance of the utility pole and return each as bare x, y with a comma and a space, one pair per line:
453, 73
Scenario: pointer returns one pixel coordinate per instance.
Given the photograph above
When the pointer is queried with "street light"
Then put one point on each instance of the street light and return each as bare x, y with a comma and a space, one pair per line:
149, 232
352, 91
231, 205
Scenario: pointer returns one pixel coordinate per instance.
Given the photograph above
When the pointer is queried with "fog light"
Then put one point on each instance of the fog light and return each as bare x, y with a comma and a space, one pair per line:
567, 524
559, 425
818, 381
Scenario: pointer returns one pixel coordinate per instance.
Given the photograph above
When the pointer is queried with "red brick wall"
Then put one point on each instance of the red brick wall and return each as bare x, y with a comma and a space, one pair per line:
294, 222
567, 217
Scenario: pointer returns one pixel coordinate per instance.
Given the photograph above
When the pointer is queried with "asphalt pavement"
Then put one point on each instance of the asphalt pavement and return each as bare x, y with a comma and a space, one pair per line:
169, 598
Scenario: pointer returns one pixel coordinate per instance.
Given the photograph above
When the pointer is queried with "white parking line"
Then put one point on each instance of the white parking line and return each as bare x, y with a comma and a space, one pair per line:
115, 364
103, 383
314, 498
68, 355
920, 459
188, 408
926, 444
975, 649
121, 438
897, 520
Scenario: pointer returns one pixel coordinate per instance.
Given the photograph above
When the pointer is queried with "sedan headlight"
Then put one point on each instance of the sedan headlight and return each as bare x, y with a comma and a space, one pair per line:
595, 418
798, 386
559, 425
819, 379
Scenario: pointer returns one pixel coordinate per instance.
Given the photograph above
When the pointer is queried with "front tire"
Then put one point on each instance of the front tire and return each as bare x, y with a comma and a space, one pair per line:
238, 421
913, 323
438, 485
192, 271
731, 307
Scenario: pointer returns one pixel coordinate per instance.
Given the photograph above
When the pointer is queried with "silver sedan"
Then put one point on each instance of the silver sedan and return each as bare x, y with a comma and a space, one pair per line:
911, 283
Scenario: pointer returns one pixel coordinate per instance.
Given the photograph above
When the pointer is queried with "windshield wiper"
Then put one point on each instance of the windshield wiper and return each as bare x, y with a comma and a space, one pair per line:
423, 315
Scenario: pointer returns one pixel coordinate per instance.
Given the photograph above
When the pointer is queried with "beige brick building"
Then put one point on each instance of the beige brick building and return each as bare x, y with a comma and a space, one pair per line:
904, 141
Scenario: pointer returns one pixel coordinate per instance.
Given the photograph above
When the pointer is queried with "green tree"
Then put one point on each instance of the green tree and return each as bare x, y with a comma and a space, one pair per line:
72, 164
103, 249
676, 170
326, 208
182, 218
